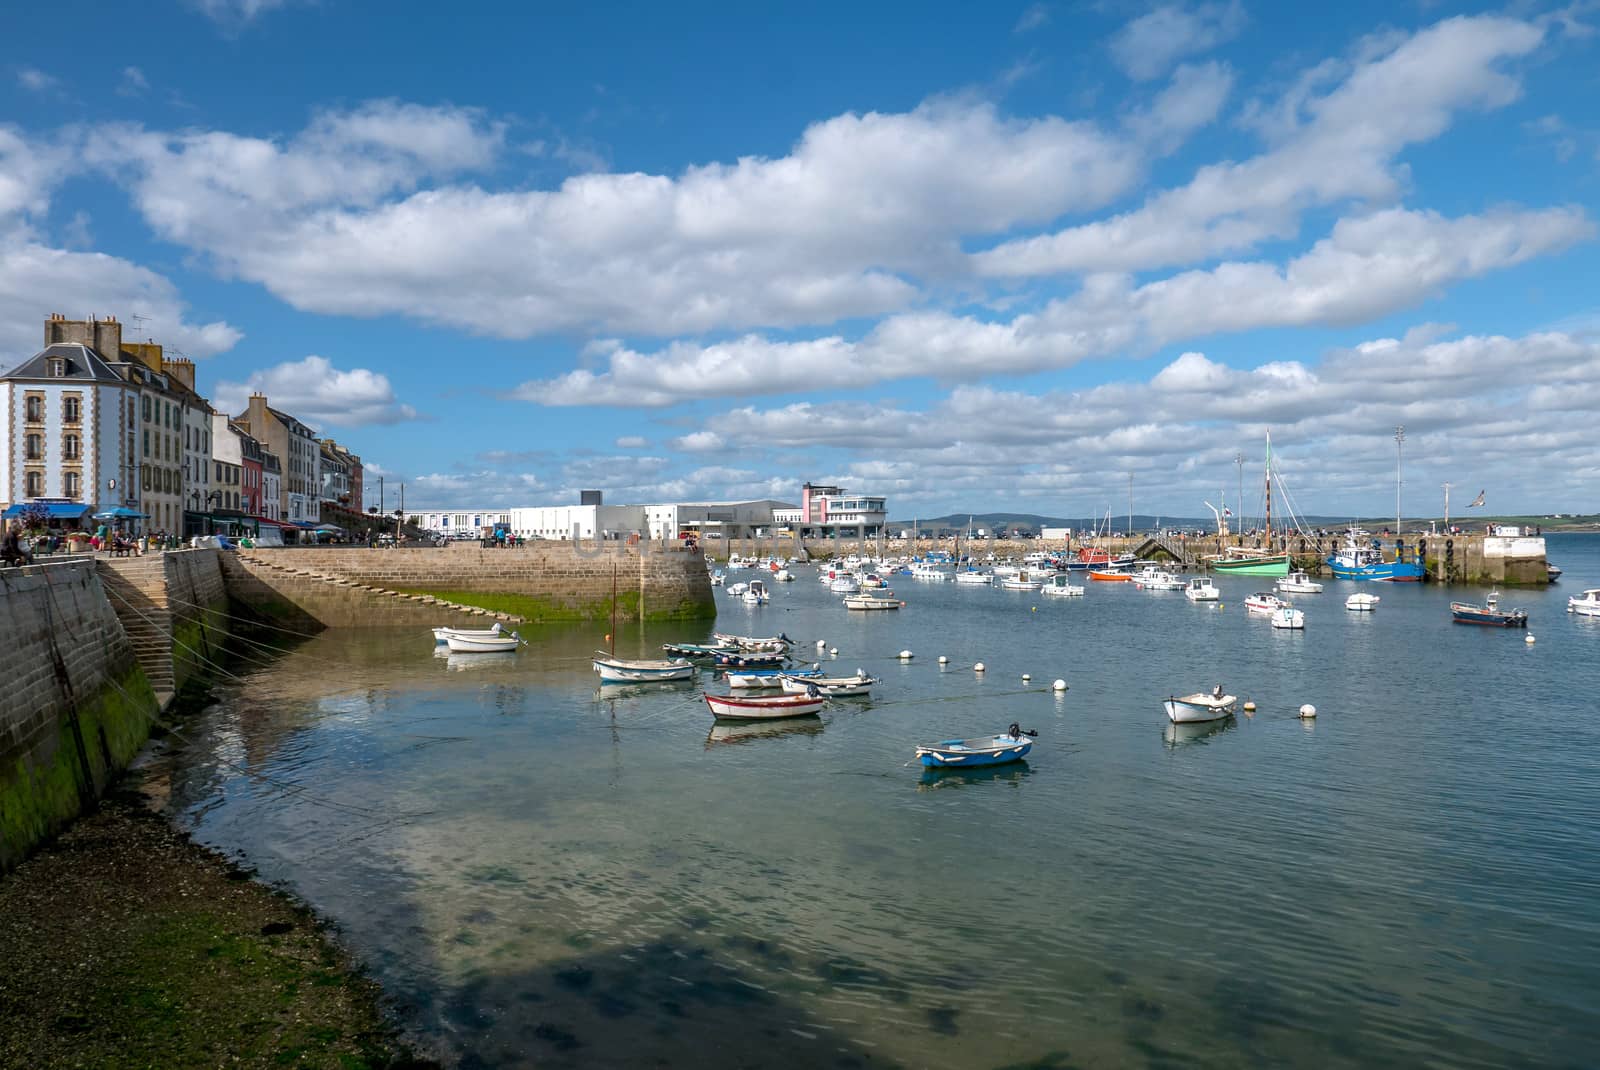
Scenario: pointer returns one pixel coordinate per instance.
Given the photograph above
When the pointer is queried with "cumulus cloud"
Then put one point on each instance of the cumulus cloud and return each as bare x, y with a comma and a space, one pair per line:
1148, 46
1335, 137
36, 81
1367, 267
319, 393
343, 219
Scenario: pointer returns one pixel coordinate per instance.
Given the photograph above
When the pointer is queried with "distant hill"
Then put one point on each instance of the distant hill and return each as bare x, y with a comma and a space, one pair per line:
1033, 522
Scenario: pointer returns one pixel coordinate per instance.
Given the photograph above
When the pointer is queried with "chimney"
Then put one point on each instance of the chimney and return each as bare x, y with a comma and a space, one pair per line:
256, 414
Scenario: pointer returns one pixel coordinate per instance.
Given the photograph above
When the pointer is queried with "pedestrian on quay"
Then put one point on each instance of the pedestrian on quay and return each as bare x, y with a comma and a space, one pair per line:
11, 551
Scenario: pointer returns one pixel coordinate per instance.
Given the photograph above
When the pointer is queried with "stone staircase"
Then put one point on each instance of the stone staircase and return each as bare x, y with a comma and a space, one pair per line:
137, 588
268, 561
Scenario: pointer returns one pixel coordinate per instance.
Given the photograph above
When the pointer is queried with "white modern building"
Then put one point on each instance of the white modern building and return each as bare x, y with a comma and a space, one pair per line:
826, 511
733, 520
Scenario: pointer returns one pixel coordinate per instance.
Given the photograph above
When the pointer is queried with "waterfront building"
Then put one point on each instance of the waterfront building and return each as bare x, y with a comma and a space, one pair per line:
341, 475
726, 520
271, 485
297, 449
827, 511
250, 461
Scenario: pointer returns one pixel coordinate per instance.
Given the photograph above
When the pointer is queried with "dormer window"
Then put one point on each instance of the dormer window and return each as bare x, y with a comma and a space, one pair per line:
58, 367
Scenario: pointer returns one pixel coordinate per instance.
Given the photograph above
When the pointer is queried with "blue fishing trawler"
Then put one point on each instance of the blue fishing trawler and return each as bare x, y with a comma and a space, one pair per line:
1353, 561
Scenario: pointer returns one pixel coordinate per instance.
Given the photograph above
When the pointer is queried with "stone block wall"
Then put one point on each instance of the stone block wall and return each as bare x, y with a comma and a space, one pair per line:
556, 581
306, 603
77, 706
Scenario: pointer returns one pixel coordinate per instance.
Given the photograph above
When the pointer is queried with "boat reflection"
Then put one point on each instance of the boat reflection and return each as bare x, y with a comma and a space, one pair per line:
460, 661
606, 692
1180, 735
1012, 773
749, 731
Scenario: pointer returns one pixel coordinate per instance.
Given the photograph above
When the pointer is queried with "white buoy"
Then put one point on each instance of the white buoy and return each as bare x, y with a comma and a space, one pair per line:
1059, 685
1530, 640
1026, 678
943, 660
1308, 711
822, 644
906, 655
1249, 707
978, 667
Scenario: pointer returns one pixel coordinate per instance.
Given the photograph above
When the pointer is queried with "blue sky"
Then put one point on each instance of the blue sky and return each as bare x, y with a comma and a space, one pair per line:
972, 257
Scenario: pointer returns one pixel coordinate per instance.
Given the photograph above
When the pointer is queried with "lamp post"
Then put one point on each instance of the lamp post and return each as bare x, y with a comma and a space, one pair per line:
1399, 444
1238, 460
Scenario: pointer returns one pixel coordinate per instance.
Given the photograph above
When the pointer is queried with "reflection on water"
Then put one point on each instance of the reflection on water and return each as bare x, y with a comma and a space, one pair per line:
546, 872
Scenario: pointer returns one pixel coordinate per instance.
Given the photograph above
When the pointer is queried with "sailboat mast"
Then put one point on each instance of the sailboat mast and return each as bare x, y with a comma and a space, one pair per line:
1267, 522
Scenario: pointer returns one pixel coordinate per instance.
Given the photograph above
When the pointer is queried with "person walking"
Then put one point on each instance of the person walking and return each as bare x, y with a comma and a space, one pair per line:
11, 551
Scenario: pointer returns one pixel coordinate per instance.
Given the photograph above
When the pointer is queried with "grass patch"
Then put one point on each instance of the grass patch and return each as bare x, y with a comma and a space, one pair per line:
532, 608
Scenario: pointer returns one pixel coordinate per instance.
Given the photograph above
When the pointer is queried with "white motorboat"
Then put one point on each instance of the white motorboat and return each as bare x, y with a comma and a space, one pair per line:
844, 585
1286, 616
1263, 602
483, 644
756, 594
1586, 604
871, 581
832, 686
1191, 709
1022, 581
783, 575
718, 578
1362, 603
736, 590
1201, 589
1061, 586
881, 600
442, 634
615, 670
1001, 571
1154, 579
976, 578
1299, 583
928, 572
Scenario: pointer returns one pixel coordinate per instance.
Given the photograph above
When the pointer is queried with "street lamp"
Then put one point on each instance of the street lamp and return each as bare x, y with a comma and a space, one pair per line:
1399, 443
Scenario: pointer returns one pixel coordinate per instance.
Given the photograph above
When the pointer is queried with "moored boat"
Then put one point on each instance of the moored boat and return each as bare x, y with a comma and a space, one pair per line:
483, 644
1198, 707
1586, 604
765, 679
1009, 746
756, 594
735, 659
1489, 613
695, 650
615, 670
1110, 575
835, 686
1353, 561
763, 707
1263, 602
1239, 562
1288, 618
1361, 603
866, 601
750, 644
1299, 583
1201, 589
1061, 586
1022, 581
975, 578
1155, 579
442, 634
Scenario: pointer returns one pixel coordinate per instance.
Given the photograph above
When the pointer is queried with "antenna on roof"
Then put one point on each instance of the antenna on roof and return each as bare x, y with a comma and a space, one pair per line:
139, 320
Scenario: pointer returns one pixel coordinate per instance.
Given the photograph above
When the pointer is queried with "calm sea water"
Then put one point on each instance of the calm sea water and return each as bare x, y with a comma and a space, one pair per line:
545, 872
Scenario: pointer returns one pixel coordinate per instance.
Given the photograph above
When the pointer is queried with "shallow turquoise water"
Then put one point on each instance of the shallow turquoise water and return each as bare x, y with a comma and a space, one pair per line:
543, 872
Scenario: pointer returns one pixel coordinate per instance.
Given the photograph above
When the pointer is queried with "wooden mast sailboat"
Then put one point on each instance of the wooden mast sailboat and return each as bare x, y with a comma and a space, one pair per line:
1261, 561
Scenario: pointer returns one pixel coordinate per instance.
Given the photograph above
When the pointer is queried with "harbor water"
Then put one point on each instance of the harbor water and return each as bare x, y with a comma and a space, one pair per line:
542, 871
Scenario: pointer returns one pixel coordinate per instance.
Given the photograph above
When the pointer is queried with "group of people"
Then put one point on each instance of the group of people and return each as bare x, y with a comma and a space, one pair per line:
11, 549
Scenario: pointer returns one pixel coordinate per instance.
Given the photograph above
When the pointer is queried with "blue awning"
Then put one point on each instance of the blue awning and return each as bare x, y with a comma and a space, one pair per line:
55, 510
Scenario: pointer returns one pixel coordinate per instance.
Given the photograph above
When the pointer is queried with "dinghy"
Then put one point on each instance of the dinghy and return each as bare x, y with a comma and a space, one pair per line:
834, 686
441, 634
1198, 707
1361, 603
766, 679
1010, 746
730, 659
751, 644
482, 644
763, 707
614, 670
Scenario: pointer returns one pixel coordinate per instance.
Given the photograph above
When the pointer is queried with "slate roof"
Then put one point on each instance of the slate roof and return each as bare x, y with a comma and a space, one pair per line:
83, 364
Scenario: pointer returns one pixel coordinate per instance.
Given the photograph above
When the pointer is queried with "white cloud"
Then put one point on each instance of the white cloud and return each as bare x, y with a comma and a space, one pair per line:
632, 442
1367, 267
847, 224
36, 81
1148, 46
1032, 17
320, 394
134, 83
1331, 145
233, 13
699, 442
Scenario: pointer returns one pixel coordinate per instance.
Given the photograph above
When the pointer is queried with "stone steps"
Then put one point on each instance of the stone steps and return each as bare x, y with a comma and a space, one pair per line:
382, 592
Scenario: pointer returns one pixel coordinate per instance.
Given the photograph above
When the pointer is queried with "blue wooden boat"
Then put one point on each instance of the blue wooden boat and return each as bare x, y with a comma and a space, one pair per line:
729, 659
1009, 746
695, 650
1489, 613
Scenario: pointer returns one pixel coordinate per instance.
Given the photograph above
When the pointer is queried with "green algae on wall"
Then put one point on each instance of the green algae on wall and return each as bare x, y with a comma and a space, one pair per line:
533, 608
36, 800
197, 642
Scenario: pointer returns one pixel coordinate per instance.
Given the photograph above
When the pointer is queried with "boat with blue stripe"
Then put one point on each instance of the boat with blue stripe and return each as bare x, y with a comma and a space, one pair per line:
1010, 746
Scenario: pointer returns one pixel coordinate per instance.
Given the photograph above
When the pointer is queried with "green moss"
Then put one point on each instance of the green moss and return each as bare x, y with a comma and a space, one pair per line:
532, 608
197, 642
36, 800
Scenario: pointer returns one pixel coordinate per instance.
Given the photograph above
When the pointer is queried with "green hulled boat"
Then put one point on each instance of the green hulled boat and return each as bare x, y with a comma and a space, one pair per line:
1238, 564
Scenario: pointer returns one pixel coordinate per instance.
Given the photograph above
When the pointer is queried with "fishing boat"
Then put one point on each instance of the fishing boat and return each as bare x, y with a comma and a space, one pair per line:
1109, 575
1192, 709
1489, 613
1361, 603
1353, 561
615, 670
441, 634
1288, 618
482, 644
1154, 579
1586, 604
1022, 581
832, 686
763, 707
1010, 746
751, 644
1061, 586
864, 601
737, 659
756, 594
766, 679
1201, 589
1299, 583
974, 577
1263, 602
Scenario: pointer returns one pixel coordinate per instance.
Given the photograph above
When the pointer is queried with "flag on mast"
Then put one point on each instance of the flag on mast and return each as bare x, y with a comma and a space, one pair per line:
1476, 501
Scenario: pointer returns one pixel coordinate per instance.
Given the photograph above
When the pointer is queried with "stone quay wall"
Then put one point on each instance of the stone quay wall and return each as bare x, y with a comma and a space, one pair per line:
77, 705
537, 582
271, 585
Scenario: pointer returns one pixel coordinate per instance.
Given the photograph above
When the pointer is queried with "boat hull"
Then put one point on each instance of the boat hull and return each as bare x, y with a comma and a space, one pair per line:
1463, 614
1197, 709
612, 672
1392, 571
972, 754
1252, 566
460, 644
763, 709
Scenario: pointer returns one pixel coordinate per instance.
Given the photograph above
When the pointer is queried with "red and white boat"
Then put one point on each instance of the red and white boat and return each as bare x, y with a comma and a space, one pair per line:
763, 707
